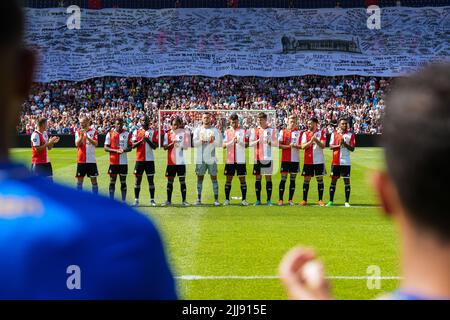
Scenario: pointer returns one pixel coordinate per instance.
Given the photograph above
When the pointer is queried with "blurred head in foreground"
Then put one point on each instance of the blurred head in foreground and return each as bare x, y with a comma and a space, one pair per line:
413, 191
17, 66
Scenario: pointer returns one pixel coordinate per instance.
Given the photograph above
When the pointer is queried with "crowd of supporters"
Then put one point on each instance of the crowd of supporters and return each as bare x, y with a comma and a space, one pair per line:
360, 99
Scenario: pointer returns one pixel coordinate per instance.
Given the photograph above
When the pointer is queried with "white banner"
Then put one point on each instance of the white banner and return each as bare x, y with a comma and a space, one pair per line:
246, 42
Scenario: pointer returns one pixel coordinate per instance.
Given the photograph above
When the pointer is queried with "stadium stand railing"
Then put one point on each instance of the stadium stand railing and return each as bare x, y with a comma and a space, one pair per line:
160, 4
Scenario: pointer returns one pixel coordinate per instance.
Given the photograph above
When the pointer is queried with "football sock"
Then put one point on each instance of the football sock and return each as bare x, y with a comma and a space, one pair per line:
227, 190
305, 190
258, 189
332, 190
269, 190
282, 187
291, 188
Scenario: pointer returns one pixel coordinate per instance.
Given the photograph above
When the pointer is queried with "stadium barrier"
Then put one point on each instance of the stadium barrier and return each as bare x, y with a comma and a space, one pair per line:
68, 141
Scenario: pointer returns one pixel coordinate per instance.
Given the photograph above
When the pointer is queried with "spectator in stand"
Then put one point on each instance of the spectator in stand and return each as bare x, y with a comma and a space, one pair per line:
107, 98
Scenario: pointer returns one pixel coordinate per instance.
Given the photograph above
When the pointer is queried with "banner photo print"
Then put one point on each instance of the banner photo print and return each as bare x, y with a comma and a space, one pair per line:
245, 42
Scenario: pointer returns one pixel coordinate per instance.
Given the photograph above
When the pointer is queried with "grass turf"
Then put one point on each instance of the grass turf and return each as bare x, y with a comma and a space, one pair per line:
250, 241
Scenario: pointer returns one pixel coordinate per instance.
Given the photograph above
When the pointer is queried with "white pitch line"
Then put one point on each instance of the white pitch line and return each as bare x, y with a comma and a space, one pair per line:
195, 277
351, 206
313, 205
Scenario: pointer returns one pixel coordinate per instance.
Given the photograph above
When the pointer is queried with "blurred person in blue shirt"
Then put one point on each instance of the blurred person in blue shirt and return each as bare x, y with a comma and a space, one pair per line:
56, 242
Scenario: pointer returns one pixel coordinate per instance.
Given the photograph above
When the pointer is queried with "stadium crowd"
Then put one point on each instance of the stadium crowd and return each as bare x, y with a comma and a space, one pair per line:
360, 99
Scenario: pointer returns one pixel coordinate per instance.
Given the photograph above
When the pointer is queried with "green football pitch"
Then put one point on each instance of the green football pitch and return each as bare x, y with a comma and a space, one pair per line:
233, 252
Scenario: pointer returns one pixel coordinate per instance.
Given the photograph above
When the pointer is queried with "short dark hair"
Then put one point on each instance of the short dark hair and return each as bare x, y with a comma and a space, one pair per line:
118, 120
418, 112
342, 119
177, 121
262, 115
315, 120
11, 23
234, 116
145, 119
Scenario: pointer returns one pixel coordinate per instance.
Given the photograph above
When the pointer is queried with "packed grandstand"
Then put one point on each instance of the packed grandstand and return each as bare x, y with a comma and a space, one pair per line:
361, 99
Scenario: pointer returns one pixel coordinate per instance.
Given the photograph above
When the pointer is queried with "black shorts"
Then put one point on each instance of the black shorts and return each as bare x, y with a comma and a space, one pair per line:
264, 168
144, 166
340, 171
290, 167
42, 169
240, 169
311, 170
176, 170
115, 169
86, 169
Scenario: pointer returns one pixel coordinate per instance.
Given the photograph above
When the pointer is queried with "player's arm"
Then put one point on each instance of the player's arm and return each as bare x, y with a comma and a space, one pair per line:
186, 141
351, 145
79, 137
52, 141
284, 146
197, 140
109, 149
274, 138
280, 141
169, 145
49, 144
166, 144
135, 144
217, 138
226, 143
229, 143
246, 143
151, 143
348, 146
297, 146
225, 140
42, 147
252, 140
135, 141
307, 144
321, 142
333, 144
129, 144
107, 146
93, 141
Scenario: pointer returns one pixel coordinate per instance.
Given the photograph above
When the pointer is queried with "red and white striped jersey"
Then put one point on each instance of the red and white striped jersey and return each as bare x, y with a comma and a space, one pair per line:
206, 152
263, 150
39, 139
341, 156
116, 141
175, 154
236, 151
287, 137
143, 151
314, 154
86, 150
